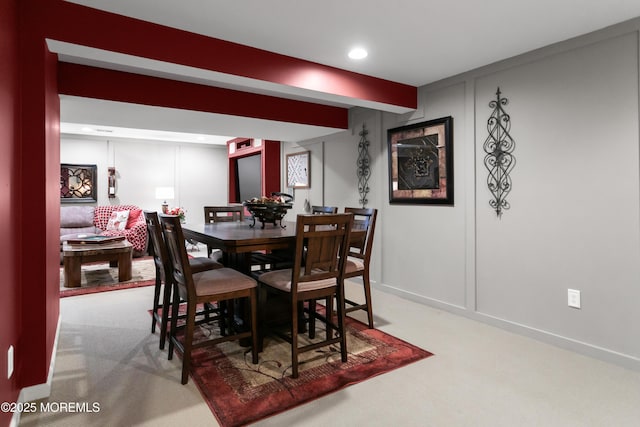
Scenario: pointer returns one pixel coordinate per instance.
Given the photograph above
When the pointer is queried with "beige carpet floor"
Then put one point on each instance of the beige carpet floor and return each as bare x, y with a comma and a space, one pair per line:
480, 376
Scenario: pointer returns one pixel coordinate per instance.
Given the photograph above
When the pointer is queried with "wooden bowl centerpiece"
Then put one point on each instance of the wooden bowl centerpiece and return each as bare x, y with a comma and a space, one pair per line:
269, 210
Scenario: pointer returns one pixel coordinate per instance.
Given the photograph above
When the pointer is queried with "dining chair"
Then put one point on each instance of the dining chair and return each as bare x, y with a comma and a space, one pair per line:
164, 275
210, 286
320, 210
221, 214
317, 273
360, 247
324, 209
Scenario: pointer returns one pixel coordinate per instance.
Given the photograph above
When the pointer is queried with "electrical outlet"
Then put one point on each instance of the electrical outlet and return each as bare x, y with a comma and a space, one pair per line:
573, 298
10, 362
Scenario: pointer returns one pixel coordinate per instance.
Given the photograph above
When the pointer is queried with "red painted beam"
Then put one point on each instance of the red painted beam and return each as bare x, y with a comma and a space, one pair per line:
99, 83
69, 22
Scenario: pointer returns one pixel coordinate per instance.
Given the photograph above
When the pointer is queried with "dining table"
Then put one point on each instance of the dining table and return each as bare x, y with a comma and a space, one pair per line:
238, 240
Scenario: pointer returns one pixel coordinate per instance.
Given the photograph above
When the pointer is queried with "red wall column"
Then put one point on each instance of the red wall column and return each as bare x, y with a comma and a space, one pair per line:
40, 204
9, 137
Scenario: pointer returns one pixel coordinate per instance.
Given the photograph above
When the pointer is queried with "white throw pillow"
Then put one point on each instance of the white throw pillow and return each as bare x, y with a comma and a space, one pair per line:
118, 220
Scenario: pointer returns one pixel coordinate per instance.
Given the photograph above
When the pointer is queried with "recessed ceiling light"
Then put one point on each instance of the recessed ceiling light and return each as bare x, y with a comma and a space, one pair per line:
357, 53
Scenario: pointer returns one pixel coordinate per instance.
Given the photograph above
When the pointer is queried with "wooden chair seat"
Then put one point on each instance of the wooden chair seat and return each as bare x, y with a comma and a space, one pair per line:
221, 281
281, 279
354, 265
199, 264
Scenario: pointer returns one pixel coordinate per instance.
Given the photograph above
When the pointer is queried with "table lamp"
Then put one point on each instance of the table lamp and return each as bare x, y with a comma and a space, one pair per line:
164, 193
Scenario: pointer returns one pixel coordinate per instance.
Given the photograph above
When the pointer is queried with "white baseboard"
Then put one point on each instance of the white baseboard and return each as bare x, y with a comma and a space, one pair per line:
38, 391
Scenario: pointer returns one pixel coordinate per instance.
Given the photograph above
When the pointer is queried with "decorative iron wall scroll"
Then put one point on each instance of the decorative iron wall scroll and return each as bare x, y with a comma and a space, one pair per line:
421, 163
499, 160
78, 183
364, 165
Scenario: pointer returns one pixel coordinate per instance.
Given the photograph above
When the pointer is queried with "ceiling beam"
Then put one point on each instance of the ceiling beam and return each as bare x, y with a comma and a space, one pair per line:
111, 85
81, 25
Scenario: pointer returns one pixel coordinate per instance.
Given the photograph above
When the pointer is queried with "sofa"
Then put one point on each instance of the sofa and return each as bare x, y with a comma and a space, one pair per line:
76, 221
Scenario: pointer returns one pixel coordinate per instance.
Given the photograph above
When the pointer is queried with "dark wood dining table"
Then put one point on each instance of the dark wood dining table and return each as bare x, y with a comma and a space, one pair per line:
237, 240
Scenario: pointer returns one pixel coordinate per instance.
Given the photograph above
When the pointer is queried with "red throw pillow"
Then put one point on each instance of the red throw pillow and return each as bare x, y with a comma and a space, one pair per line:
134, 214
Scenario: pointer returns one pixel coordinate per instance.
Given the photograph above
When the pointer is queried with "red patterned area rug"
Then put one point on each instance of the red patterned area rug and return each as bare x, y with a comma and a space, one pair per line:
239, 392
99, 277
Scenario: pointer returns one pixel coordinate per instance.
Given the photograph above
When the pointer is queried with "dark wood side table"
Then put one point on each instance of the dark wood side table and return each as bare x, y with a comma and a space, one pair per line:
118, 253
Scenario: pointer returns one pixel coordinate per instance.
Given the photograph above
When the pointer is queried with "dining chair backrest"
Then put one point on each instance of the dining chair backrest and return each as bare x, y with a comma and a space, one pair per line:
223, 214
177, 252
364, 224
158, 247
321, 248
324, 210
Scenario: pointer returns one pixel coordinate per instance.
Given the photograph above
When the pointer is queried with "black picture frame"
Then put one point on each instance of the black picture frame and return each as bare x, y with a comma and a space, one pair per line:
421, 163
78, 183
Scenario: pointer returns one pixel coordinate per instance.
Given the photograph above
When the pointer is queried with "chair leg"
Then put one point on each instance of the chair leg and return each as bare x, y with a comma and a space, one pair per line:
156, 302
261, 303
312, 318
188, 341
328, 303
294, 340
175, 303
367, 296
166, 304
253, 300
341, 320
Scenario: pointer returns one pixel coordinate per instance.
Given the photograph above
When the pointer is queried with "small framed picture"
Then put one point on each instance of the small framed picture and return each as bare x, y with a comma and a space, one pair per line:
299, 170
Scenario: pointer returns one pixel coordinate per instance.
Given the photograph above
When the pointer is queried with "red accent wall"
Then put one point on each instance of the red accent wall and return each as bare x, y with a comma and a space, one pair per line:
30, 146
9, 139
39, 169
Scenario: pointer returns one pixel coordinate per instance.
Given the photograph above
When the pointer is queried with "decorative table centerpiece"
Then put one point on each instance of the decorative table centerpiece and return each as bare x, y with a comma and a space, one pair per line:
269, 210
179, 212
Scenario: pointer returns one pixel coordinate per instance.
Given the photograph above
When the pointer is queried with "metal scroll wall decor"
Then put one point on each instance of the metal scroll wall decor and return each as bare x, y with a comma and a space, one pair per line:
364, 163
499, 159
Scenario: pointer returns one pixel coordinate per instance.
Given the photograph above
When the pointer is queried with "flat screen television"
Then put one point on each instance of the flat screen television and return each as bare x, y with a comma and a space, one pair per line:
248, 177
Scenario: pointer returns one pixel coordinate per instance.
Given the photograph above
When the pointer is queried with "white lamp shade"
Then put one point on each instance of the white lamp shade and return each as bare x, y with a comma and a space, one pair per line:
164, 193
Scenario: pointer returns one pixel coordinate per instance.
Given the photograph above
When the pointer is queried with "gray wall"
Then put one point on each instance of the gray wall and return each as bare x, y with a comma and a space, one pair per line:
197, 172
575, 215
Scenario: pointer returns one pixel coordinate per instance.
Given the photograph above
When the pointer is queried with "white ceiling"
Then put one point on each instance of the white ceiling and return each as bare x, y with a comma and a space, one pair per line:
415, 42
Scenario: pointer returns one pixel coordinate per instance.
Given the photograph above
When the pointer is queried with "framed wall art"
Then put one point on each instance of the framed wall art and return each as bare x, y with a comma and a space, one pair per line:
421, 163
299, 170
78, 183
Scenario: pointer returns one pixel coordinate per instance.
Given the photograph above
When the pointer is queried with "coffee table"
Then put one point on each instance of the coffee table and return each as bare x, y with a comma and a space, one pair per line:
117, 253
